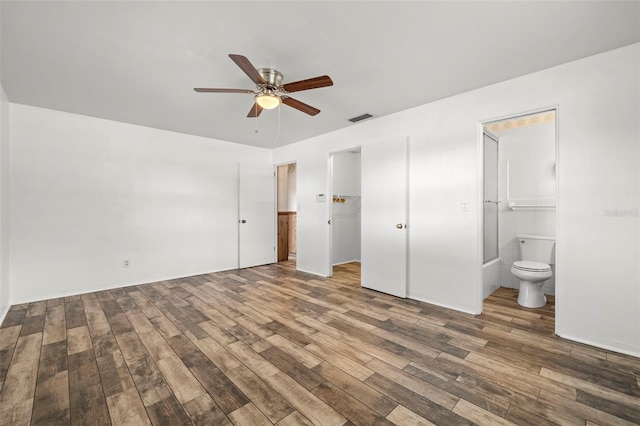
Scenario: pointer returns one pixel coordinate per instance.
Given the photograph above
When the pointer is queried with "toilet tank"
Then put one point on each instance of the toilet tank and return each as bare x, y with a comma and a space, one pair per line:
537, 248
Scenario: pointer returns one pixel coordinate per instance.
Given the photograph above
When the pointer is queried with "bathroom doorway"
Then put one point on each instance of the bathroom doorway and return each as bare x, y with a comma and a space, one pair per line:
518, 194
286, 181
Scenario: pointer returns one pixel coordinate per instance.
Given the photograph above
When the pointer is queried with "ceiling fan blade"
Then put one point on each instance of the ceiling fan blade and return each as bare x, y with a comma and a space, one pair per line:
214, 90
310, 83
255, 111
300, 106
248, 68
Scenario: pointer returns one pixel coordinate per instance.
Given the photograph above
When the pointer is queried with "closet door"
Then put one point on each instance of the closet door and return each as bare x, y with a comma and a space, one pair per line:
256, 214
384, 216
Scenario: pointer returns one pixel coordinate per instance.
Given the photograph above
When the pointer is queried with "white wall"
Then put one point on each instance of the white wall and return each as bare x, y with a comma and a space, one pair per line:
346, 173
530, 154
283, 188
346, 216
599, 163
4, 204
87, 194
286, 188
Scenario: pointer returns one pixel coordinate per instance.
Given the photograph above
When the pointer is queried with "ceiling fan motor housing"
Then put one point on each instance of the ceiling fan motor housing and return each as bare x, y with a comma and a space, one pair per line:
272, 77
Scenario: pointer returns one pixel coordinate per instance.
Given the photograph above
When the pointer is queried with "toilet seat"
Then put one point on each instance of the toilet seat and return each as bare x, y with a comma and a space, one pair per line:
530, 266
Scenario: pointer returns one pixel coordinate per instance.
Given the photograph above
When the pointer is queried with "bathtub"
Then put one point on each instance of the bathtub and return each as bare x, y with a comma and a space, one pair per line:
490, 277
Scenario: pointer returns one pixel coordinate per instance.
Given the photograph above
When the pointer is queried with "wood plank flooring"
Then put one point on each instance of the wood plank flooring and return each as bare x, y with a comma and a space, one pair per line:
270, 345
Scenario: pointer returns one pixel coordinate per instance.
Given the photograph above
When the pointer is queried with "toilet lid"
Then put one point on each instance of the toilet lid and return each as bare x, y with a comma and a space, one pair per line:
528, 265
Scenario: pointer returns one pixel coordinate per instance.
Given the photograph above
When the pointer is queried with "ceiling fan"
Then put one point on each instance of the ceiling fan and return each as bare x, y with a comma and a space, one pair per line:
270, 92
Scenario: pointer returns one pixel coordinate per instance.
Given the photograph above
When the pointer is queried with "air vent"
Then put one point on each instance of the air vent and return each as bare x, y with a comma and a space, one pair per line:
360, 118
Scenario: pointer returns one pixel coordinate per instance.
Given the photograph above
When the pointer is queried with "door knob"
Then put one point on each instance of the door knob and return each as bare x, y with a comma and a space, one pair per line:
399, 226
243, 221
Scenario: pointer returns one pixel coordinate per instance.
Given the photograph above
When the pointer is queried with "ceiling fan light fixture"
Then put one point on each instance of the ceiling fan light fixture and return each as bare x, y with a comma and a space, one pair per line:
268, 100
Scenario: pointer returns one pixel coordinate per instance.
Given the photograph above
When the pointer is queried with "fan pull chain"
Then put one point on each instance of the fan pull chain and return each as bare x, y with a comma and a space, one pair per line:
257, 116
279, 108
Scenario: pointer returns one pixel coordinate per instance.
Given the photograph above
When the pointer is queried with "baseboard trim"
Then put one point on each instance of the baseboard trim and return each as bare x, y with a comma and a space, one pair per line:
104, 287
312, 273
601, 346
348, 261
4, 314
445, 305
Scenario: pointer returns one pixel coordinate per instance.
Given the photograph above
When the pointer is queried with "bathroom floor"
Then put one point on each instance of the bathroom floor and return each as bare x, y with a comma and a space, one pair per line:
505, 301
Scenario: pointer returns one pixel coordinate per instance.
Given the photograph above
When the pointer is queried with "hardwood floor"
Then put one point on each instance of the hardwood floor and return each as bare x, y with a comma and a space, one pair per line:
270, 345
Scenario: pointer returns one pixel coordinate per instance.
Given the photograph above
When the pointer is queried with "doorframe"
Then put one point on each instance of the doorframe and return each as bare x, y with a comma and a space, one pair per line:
275, 196
329, 198
558, 246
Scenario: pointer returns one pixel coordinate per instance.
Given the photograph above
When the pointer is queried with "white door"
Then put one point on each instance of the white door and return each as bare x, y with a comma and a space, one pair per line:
256, 214
384, 216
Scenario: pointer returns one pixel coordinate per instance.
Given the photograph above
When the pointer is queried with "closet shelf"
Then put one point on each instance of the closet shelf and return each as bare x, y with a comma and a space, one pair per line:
531, 204
344, 198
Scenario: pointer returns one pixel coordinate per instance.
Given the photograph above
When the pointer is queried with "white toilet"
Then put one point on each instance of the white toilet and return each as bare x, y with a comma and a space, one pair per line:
536, 252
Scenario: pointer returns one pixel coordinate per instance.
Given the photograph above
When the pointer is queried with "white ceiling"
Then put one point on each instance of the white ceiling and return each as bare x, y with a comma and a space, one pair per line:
138, 61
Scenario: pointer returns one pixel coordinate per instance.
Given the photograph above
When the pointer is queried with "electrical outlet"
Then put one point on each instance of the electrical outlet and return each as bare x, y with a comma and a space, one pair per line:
125, 263
464, 206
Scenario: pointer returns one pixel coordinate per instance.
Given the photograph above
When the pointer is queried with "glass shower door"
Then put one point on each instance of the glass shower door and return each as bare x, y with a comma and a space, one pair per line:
490, 197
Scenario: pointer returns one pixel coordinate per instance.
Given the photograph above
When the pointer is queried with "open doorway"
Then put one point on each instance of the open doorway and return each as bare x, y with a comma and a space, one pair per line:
287, 212
519, 225
345, 210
